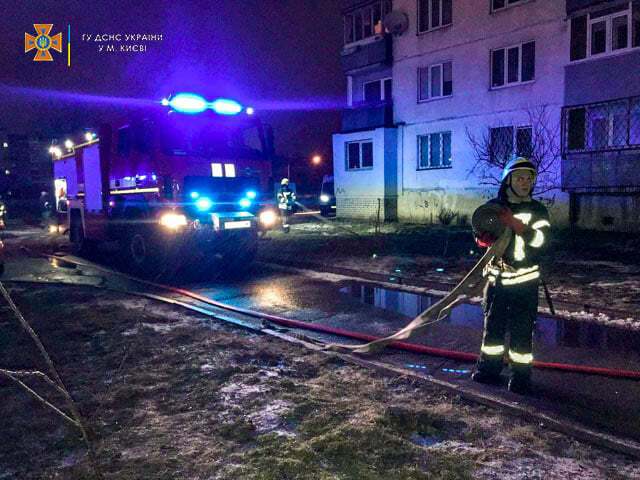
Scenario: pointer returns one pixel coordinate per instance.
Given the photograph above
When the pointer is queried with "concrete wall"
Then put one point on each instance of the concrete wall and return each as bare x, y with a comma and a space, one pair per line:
359, 192
591, 80
608, 212
474, 107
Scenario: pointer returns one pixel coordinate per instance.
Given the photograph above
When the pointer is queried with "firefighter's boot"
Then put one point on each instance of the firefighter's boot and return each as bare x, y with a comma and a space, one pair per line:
520, 379
488, 370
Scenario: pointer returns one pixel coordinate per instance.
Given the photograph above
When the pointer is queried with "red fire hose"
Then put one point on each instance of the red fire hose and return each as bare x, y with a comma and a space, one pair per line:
410, 347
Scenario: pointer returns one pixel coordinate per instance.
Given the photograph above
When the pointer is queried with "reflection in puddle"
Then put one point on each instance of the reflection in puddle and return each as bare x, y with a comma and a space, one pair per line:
564, 333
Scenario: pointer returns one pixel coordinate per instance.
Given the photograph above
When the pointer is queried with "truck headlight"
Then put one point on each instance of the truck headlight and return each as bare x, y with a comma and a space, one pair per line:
324, 198
268, 218
173, 220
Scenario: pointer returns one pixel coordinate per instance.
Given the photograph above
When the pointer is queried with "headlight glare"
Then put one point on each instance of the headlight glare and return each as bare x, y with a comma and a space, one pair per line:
173, 220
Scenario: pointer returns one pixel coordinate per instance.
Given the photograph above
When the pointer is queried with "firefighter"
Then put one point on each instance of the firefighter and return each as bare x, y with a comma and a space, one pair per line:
511, 293
286, 199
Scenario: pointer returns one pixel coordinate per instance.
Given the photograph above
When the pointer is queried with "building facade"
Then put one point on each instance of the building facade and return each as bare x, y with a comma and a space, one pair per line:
435, 107
601, 118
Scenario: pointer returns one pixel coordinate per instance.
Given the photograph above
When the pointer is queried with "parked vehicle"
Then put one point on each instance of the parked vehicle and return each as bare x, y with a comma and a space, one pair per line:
179, 184
327, 197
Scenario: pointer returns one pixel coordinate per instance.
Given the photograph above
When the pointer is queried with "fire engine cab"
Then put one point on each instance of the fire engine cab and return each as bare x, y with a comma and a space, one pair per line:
180, 183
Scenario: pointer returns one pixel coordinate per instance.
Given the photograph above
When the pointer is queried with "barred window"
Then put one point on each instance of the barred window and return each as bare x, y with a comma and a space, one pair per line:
603, 126
508, 141
434, 150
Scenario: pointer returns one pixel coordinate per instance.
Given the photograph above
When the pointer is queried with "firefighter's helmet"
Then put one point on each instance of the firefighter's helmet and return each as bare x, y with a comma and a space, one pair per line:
519, 163
284, 181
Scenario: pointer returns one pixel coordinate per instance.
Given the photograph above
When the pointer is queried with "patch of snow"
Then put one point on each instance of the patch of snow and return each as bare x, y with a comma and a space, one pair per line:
239, 391
269, 418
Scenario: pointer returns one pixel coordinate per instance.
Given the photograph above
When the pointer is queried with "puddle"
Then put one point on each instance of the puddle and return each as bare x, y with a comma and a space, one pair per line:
549, 331
59, 263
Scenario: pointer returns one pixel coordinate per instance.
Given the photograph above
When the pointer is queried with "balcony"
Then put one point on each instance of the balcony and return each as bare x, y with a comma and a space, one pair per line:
367, 117
375, 51
601, 146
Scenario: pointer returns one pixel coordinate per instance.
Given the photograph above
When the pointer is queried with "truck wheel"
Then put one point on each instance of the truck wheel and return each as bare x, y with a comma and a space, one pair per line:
143, 254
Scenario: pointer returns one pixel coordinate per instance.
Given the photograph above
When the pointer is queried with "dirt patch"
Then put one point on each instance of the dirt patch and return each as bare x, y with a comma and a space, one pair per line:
166, 396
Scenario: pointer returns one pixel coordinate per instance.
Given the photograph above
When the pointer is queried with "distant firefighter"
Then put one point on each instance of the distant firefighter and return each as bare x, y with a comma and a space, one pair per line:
511, 293
286, 199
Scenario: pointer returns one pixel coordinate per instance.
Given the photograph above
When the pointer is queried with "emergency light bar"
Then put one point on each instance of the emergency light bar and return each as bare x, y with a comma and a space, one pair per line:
191, 103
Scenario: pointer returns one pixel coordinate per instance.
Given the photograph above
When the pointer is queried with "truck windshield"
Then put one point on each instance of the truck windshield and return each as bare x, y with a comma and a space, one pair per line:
211, 138
213, 187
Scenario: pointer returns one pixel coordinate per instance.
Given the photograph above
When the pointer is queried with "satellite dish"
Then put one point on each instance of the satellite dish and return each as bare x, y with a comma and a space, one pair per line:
396, 22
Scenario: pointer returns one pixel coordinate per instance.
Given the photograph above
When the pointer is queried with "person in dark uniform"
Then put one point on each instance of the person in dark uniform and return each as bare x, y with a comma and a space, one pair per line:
286, 199
511, 293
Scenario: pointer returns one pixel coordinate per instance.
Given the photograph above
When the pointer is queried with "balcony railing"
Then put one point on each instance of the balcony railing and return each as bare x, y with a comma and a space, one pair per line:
601, 127
367, 116
601, 146
377, 51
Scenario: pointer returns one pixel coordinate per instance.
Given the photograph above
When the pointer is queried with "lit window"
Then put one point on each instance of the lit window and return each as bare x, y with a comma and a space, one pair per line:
229, 170
216, 170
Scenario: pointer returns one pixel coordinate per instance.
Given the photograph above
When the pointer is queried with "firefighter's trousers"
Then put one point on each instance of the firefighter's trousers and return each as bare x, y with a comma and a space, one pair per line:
511, 309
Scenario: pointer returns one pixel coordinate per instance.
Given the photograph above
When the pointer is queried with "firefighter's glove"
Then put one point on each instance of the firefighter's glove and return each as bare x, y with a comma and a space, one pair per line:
508, 220
485, 240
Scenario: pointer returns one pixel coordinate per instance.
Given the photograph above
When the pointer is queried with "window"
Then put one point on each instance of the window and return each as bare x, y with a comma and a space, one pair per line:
504, 139
229, 170
361, 23
603, 126
434, 14
435, 81
359, 155
513, 65
434, 151
607, 31
216, 170
377, 91
502, 4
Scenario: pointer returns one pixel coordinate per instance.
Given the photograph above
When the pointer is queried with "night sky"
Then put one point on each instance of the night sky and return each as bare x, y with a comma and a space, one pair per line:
280, 56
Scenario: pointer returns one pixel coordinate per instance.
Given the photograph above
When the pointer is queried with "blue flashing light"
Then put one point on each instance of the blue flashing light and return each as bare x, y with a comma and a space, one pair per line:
250, 111
204, 204
245, 202
188, 103
225, 106
251, 194
164, 102
194, 195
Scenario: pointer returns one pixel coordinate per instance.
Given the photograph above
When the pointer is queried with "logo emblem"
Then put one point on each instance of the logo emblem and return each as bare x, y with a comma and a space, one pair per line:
43, 42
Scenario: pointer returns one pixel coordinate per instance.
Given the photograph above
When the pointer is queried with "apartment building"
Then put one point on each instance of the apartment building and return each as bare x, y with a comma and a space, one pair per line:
458, 86
601, 117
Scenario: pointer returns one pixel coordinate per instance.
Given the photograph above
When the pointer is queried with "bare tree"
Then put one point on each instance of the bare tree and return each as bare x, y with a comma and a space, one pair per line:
493, 150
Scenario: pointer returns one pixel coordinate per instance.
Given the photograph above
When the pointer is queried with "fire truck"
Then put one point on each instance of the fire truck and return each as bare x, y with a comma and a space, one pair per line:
180, 184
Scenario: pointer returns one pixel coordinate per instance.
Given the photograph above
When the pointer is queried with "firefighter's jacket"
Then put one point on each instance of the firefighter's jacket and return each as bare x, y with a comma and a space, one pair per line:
520, 264
286, 198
